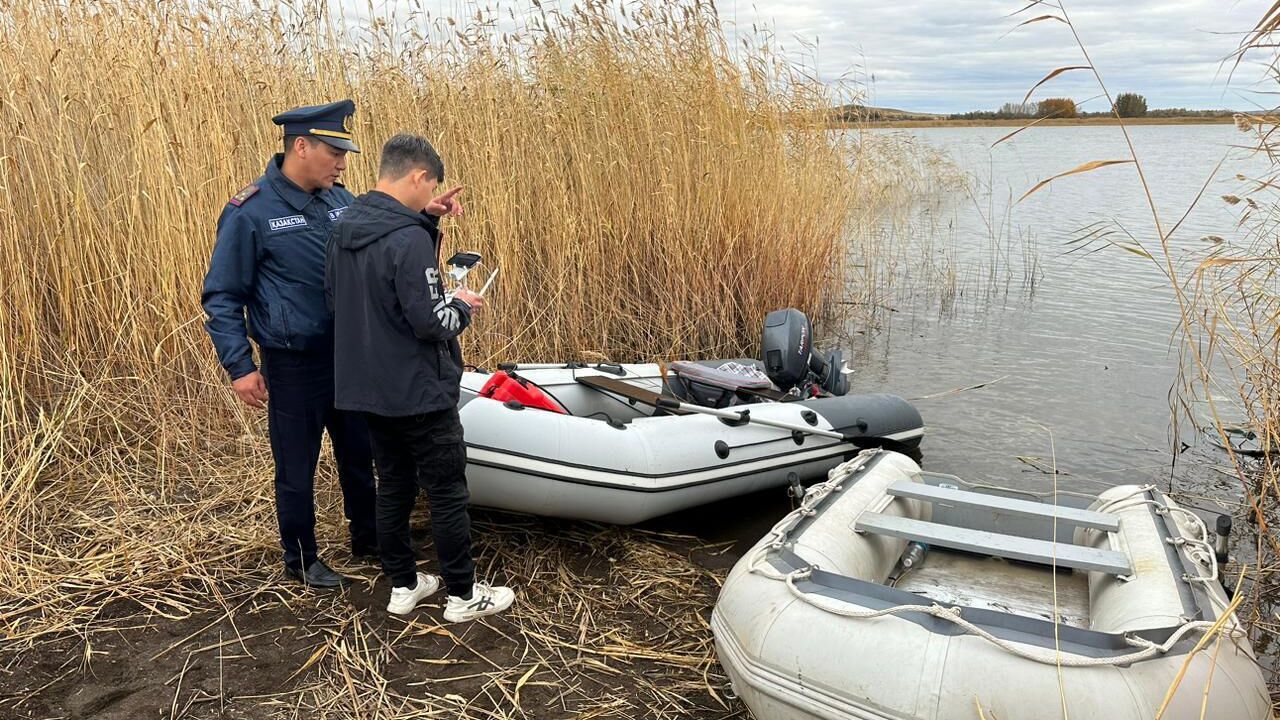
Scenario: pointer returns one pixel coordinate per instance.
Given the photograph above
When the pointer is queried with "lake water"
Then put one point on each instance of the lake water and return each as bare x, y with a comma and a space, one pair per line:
1081, 362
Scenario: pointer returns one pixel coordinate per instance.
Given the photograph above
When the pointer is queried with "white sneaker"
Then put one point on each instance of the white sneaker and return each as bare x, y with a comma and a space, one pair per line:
484, 600
404, 600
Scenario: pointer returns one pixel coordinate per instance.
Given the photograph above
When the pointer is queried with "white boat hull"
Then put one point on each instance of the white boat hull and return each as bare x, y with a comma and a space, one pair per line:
639, 467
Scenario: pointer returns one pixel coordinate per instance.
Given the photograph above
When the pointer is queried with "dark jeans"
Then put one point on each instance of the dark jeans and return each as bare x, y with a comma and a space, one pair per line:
423, 451
299, 410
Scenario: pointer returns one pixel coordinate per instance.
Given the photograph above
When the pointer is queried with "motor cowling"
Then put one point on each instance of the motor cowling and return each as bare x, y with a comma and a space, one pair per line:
786, 346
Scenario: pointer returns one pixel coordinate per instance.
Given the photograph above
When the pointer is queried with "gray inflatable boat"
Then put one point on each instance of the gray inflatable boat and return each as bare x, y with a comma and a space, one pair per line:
623, 443
897, 594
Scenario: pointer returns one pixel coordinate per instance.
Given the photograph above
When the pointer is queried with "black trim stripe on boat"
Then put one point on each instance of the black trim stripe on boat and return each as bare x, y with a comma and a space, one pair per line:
843, 448
839, 450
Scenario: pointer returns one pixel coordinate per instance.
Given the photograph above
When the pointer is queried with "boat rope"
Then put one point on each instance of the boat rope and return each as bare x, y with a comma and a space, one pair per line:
1199, 549
813, 497
1147, 649
776, 539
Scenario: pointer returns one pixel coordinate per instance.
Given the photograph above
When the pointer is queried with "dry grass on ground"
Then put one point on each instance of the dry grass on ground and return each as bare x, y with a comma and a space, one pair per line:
647, 192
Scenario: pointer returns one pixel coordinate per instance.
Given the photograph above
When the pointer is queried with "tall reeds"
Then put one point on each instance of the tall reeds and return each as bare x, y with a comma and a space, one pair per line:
648, 191
629, 176
1235, 293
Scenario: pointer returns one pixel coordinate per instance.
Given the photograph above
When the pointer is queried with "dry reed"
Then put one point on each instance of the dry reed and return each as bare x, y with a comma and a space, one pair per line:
1228, 335
647, 191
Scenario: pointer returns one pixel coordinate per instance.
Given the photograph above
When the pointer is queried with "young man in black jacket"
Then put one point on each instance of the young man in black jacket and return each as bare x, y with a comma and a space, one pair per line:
398, 361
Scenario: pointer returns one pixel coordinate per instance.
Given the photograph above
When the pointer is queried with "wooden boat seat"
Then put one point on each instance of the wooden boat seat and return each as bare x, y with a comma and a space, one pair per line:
627, 390
1005, 506
981, 542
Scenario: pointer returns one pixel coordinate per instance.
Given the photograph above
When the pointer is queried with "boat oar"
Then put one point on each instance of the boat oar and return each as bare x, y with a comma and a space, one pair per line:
744, 416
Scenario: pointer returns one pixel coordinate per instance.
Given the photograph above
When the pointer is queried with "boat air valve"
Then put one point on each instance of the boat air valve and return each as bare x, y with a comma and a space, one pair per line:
1223, 529
911, 559
914, 555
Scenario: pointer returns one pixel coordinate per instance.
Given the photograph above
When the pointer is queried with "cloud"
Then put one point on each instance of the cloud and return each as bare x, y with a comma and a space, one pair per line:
957, 55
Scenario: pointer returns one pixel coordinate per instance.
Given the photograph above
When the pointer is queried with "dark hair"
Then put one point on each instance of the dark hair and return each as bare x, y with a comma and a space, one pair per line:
405, 153
289, 141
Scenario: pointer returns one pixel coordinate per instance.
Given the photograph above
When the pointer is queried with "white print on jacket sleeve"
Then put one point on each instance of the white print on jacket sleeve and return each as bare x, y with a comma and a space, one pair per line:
448, 316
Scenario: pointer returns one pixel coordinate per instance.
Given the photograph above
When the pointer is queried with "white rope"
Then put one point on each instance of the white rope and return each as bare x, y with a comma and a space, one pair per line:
1112, 502
1200, 550
813, 497
1047, 657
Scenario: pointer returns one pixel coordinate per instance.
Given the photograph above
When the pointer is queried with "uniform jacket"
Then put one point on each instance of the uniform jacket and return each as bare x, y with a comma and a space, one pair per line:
268, 264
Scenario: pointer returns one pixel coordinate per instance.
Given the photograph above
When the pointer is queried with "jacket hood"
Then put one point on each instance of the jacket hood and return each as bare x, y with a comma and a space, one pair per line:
373, 216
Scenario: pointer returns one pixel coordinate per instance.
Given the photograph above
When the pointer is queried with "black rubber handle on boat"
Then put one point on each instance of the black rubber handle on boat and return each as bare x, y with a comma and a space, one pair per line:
668, 403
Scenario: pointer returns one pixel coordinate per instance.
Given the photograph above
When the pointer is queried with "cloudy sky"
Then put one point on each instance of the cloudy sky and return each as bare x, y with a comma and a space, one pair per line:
957, 55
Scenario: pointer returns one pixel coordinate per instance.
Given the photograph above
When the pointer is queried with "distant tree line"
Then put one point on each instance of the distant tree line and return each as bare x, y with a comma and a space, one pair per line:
1049, 107
1127, 105
1183, 112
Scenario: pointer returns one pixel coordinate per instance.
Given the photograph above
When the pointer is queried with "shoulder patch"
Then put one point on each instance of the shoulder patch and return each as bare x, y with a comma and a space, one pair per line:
245, 193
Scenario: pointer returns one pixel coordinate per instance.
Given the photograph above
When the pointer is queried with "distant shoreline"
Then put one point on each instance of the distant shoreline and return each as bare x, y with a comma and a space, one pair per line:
1055, 122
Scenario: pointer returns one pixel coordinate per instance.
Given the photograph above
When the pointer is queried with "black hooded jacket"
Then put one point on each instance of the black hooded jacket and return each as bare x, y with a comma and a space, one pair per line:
396, 334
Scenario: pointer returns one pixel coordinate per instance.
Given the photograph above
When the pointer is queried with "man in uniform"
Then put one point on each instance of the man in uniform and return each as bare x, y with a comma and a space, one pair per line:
268, 265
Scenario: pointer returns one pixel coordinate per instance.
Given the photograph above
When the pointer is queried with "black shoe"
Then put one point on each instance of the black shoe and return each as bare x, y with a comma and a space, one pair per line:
366, 555
318, 575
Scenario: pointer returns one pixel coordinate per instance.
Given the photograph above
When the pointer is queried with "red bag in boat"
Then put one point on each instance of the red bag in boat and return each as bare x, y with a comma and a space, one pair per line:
502, 387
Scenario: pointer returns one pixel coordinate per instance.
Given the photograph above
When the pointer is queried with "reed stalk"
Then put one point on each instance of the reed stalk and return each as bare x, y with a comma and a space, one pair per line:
648, 191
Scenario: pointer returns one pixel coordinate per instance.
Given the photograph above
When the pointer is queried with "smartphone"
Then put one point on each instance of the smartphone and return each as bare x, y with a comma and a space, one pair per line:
462, 263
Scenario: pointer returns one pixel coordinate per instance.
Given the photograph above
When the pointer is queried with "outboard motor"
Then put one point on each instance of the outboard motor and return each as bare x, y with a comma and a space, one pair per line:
786, 345
830, 372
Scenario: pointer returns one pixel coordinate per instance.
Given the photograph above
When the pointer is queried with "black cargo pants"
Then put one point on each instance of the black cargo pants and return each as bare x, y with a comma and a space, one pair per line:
427, 452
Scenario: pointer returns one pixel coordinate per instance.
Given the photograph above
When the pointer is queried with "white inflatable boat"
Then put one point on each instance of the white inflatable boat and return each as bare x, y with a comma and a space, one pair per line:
625, 443
896, 593
603, 449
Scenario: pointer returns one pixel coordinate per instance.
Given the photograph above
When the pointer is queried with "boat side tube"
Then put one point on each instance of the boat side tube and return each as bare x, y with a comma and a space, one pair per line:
557, 465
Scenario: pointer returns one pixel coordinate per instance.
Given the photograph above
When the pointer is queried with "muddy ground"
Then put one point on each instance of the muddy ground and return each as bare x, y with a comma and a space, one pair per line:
609, 623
